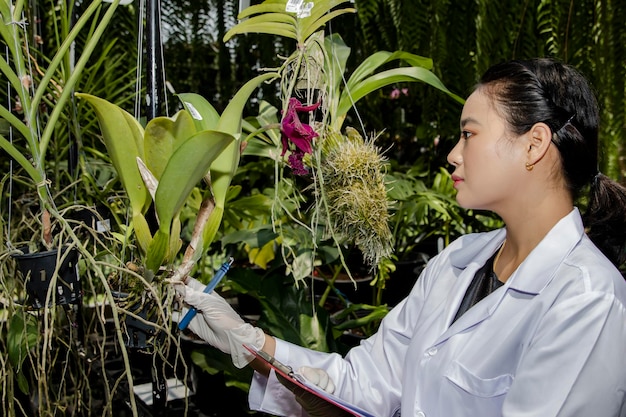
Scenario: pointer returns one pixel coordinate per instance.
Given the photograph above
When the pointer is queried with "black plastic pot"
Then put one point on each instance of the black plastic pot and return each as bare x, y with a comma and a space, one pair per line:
38, 270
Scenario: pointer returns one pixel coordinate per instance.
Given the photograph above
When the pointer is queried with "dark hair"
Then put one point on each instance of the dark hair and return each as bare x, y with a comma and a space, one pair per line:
548, 91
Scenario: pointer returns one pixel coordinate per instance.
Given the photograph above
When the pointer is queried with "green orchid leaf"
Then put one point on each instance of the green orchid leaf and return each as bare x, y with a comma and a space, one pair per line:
264, 127
210, 230
376, 60
308, 30
142, 231
393, 76
5, 12
269, 17
335, 65
224, 168
123, 137
157, 252
204, 115
230, 121
339, 53
376, 313
162, 137
260, 147
5, 113
268, 6
176, 242
34, 174
269, 28
263, 133
187, 166
321, 8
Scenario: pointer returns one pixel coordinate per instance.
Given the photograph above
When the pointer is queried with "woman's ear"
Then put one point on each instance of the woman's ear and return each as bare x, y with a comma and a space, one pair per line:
539, 138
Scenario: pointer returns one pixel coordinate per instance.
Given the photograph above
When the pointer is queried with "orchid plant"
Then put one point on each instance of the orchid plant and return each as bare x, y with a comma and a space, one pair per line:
344, 165
162, 164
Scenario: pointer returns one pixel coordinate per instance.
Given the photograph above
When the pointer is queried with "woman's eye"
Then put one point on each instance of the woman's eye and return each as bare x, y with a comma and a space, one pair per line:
465, 134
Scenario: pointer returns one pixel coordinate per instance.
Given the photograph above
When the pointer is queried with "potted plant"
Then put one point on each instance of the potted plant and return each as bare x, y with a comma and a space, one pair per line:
40, 337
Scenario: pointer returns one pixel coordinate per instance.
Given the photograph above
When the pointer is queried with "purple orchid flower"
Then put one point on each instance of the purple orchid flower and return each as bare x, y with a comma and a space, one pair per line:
293, 130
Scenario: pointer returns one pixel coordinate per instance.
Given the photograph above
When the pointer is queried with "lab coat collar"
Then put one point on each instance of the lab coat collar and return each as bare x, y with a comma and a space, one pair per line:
538, 268
531, 277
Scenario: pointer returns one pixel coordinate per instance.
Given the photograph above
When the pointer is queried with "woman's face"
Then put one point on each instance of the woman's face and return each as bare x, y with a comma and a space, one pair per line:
488, 161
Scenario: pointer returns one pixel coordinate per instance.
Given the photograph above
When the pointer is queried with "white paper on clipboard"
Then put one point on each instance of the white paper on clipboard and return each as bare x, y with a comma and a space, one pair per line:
287, 373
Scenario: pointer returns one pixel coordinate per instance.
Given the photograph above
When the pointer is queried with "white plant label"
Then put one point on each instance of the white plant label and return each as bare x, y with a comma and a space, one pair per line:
300, 8
194, 113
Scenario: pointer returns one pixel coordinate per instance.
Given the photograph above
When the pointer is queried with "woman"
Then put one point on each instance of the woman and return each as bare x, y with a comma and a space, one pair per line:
528, 320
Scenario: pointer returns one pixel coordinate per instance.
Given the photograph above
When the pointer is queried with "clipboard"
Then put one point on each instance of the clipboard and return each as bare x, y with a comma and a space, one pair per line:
289, 374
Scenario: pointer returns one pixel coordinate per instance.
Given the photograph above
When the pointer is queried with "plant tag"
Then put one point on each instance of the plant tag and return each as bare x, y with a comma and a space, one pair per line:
293, 6
305, 11
194, 113
103, 226
299, 7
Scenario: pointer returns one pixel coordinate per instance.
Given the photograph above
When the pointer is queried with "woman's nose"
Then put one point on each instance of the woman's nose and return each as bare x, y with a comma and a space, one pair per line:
454, 157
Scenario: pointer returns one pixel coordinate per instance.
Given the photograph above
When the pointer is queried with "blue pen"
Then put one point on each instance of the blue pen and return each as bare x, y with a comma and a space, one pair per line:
182, 325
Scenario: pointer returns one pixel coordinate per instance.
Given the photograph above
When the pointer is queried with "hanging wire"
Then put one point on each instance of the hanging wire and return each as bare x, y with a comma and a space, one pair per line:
139, 66
10, 199
162, 61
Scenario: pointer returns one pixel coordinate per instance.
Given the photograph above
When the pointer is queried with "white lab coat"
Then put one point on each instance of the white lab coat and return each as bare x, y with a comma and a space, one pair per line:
550, 342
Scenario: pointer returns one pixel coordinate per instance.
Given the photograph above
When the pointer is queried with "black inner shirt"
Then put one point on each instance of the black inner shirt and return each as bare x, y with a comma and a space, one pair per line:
485, 282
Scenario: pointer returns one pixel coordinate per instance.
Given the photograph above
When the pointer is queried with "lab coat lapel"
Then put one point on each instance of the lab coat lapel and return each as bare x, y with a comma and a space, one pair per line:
531, 277
469, 260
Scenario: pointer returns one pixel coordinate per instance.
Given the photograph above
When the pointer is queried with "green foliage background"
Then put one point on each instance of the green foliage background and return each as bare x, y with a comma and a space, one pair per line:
463, 38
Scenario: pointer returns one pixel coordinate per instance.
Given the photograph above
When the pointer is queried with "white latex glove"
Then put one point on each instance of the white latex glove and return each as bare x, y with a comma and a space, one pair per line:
312, 404
219, 325
318, 377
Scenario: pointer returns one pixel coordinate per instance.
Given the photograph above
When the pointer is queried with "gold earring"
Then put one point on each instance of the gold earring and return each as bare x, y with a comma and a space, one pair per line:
529, 166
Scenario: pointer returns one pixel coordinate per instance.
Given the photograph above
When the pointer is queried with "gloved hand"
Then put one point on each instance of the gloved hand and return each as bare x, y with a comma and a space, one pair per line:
311, 403
318, 377
219, 325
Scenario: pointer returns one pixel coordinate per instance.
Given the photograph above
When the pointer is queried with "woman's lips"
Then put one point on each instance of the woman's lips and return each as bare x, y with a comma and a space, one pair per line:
457, 180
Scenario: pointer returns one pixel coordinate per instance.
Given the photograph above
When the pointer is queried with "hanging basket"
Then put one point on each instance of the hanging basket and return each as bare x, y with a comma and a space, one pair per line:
38, 270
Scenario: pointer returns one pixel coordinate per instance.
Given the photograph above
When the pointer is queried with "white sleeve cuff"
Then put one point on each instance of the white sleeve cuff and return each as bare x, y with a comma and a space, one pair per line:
270, 396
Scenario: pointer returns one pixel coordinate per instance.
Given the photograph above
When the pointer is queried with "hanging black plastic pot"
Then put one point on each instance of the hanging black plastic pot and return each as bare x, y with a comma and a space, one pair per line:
38, 269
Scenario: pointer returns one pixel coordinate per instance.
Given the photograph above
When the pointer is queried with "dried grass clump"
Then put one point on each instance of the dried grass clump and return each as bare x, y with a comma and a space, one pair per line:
352, 171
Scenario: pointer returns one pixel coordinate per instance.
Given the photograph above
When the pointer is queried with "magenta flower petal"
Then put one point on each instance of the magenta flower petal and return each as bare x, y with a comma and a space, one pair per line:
294, 131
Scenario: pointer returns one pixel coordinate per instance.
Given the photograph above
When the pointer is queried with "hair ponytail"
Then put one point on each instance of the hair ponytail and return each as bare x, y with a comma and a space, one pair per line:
605, 218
